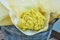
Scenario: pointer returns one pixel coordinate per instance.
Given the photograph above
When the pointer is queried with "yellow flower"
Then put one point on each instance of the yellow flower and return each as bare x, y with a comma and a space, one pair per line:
31, 20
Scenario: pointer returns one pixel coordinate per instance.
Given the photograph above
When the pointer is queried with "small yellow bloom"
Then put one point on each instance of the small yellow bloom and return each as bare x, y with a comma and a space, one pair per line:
31, 20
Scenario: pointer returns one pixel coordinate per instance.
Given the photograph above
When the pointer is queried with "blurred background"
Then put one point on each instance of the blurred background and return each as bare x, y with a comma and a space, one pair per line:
55, 35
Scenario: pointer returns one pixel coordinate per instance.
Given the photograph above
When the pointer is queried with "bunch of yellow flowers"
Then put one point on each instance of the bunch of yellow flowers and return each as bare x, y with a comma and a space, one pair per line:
31, 20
